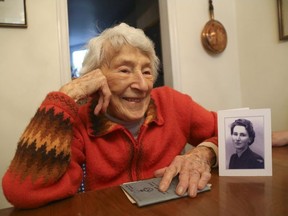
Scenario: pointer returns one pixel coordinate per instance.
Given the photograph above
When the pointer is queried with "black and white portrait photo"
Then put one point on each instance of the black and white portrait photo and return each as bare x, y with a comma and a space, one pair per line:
244, 142
248, 144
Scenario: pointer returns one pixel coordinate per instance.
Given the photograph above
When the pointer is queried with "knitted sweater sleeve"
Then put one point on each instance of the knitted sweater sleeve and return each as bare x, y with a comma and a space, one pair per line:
46, 166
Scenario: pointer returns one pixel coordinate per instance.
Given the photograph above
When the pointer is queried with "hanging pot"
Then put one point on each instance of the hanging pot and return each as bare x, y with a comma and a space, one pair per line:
214, 36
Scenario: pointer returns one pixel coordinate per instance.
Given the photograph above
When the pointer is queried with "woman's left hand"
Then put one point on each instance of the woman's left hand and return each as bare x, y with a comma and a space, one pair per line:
193, 169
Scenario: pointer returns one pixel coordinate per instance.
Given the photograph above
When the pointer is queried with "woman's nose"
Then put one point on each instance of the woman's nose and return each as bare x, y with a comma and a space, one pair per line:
139, 82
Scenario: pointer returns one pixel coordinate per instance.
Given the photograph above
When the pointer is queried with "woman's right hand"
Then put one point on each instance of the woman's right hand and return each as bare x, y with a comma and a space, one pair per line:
87, 85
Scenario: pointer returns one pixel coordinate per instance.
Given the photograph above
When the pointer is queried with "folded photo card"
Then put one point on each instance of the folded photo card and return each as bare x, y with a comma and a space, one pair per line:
245, 147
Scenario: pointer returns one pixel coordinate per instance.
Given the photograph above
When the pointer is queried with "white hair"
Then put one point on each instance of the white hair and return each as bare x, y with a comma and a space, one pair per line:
116, 37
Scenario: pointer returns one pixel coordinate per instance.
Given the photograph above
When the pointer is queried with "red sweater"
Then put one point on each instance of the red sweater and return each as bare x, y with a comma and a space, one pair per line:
62, 136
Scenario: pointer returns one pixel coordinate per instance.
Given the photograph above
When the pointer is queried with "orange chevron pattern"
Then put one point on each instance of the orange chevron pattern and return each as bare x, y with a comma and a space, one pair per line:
44, 148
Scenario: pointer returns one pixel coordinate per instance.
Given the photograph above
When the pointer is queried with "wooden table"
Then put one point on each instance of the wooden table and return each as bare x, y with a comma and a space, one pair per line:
229, 196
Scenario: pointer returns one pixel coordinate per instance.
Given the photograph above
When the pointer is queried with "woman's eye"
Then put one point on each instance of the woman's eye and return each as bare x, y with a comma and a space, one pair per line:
124, 70
147, 72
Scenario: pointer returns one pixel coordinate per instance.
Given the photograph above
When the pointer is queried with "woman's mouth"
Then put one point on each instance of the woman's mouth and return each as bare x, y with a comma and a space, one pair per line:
130, 99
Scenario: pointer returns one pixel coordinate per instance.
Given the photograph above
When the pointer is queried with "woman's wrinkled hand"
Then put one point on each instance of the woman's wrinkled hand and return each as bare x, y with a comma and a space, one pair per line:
87, 85
193, 170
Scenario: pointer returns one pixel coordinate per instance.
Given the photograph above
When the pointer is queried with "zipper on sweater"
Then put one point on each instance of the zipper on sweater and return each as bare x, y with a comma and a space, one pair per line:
136, 153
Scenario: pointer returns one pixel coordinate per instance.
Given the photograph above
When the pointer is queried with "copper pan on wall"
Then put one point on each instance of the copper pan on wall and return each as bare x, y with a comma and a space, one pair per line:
213, 36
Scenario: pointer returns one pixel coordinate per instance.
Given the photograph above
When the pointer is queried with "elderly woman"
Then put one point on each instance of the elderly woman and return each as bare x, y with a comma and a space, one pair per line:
243, 135
110, 126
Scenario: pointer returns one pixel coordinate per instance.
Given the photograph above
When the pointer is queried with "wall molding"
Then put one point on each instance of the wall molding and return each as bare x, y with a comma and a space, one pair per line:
63, 41
174, 45
170, 46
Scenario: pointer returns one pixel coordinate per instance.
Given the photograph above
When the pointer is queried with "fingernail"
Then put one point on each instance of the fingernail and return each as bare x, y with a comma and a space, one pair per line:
193, 191
180, 190
162, 187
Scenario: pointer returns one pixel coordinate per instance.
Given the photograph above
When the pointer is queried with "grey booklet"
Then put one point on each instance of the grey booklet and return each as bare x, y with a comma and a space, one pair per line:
146, 192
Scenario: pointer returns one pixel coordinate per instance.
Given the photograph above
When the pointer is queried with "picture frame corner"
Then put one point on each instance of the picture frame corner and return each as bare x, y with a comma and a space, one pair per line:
15, 15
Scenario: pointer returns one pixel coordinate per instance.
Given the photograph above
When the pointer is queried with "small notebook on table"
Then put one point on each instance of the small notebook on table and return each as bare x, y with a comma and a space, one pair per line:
146, 192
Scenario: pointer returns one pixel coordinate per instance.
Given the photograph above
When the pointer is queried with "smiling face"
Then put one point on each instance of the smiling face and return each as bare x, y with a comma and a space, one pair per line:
130, 79
240, 138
